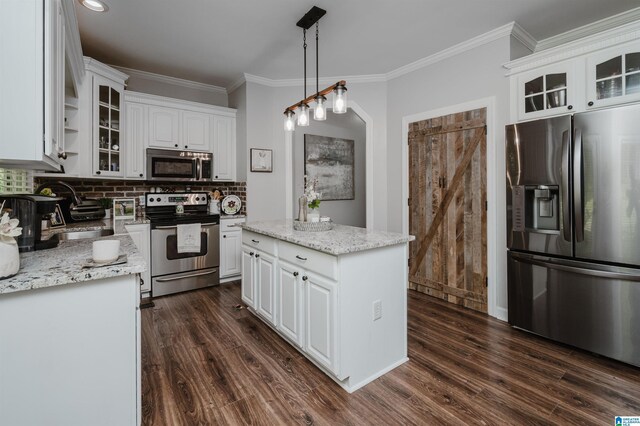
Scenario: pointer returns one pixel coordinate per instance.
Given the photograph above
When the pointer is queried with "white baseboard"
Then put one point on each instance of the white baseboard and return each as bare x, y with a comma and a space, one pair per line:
502, 314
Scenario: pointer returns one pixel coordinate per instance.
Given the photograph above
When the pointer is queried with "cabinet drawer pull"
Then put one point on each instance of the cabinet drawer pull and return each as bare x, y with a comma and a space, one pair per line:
300, 257
256, 241
257, 255
250, 253
295, 274
304, 278
224, 236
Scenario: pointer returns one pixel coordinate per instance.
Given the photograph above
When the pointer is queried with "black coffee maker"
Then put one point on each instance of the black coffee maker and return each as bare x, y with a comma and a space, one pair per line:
31, 210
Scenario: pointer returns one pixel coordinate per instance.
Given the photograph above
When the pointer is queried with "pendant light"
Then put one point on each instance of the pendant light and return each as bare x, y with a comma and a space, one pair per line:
339, 89
320, 109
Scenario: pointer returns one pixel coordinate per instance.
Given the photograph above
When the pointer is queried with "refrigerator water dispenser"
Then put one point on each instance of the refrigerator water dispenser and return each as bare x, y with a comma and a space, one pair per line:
542, 208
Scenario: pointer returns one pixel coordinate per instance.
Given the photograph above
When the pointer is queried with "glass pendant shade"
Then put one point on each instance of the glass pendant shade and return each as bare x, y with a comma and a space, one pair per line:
320, 109
303, 115
289, 121
340, 100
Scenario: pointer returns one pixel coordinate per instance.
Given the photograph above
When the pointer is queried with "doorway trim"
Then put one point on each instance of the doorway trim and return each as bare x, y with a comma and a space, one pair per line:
492, 190
368, 121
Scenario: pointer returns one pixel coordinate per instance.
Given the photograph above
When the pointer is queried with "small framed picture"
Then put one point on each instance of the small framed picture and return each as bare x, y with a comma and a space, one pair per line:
56, 218
124, 208
261, 160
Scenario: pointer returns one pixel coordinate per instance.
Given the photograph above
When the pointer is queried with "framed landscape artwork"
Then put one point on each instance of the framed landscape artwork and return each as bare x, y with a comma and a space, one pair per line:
331, 161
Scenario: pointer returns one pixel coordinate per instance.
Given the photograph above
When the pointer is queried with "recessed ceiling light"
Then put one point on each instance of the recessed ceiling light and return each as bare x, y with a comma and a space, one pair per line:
95, 5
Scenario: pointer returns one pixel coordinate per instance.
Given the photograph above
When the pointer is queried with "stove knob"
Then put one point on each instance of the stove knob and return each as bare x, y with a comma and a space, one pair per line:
151, 200
197, 198
158, 199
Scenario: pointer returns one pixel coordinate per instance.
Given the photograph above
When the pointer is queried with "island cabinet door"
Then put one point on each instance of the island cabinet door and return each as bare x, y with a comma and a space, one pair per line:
290, 302
266, 277
321, 320
248, 277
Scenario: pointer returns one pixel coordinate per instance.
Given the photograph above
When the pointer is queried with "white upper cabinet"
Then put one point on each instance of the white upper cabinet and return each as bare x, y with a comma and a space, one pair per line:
613, 76
224, 148
106, 129
196, 131
598, 71
32, 79
547, 91
164, 127
135, 134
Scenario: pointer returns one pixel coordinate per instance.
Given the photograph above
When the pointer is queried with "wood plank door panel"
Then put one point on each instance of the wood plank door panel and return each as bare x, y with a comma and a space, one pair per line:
447, 187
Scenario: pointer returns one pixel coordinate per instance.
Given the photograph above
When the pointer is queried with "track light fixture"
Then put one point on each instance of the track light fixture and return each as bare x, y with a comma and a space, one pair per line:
339, 89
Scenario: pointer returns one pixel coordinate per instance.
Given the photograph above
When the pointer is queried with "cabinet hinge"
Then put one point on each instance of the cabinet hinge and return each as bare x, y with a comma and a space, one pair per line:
486, 205
486, 281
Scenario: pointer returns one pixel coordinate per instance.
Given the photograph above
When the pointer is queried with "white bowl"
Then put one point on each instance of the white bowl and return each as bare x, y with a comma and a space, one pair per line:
105, 251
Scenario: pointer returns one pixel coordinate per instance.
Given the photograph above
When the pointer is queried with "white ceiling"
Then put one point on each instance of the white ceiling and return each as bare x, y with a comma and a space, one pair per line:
216, 41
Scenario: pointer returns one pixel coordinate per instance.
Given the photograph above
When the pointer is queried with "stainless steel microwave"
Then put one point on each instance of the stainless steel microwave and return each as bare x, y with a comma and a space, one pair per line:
180, 166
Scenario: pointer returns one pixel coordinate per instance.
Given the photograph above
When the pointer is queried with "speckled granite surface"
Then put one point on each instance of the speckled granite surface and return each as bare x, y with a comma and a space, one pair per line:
340, 240
63, 265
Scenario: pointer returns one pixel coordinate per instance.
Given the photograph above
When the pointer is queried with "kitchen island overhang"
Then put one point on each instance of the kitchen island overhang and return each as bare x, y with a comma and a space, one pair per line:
339, 297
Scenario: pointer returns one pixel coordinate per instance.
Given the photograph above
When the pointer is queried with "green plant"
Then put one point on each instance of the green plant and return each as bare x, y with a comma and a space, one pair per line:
105, 203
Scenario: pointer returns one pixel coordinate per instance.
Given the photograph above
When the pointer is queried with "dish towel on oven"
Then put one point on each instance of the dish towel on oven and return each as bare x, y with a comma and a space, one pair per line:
188, 238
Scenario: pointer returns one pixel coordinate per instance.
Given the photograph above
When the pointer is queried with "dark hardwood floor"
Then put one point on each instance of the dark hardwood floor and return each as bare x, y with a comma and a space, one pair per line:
205, 362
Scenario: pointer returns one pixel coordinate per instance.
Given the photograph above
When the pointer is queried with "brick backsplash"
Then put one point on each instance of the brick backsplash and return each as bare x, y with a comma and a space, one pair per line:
95, 188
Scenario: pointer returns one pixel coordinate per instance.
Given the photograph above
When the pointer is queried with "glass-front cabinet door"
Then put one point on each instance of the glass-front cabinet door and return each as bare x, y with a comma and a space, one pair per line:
546, 91
107, 140
613, 76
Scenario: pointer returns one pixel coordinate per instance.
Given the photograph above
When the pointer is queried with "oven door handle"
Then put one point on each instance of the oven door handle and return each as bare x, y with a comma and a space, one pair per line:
199, 274
198, 169
176, 226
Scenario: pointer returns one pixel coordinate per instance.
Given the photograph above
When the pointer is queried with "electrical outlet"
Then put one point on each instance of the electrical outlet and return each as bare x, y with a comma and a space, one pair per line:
377, 310
141, 200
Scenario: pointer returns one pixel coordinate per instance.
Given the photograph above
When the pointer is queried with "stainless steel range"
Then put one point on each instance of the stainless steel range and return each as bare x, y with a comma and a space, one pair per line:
173, 270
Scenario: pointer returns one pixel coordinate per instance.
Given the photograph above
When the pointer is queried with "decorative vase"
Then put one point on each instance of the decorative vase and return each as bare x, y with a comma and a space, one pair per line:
313, 215
302, 209
9, 258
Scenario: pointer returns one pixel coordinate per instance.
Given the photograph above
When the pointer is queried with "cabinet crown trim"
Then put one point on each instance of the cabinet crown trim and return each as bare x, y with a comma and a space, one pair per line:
106, 71
156, 100
583, 46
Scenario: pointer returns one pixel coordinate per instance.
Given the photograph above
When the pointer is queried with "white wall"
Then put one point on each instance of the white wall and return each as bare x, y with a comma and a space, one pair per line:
345, 126
138, 83
238, 100
472, 75
266, 195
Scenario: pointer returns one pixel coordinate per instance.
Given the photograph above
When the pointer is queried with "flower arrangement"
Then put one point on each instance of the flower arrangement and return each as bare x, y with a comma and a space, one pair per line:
313, 197
9, 228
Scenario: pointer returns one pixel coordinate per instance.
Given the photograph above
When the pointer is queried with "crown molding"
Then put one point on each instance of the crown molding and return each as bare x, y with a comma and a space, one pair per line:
589, 29
148, 99
106, 71
488, 37
165, 79
583, 46
236, 84
524, 37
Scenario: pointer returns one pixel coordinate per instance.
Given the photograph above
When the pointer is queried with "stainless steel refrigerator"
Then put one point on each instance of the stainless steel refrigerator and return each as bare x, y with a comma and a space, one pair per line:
573, 230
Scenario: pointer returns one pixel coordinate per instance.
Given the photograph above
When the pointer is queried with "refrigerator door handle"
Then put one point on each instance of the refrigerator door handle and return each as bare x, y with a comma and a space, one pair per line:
566, 212
578, 186
614, 273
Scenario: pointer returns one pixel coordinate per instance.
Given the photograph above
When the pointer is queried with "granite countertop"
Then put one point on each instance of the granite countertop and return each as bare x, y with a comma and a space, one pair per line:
340, 240
232, 216
63, 265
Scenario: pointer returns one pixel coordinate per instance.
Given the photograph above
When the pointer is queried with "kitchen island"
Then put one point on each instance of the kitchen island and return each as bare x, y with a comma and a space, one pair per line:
70, 338
338, 296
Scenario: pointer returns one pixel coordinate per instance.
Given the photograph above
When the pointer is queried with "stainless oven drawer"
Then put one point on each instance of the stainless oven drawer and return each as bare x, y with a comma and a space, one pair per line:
175, 283
165, 259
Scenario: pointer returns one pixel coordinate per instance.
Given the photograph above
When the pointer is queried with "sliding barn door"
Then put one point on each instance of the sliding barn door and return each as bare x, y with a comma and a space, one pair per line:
447, 208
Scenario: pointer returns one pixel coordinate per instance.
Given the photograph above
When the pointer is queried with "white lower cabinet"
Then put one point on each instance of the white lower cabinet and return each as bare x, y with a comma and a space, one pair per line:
266, 285
320, 318
346, 313
230, 249
141, 235
289, 290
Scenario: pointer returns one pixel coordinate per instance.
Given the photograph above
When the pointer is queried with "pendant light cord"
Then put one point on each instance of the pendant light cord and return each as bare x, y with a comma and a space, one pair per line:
317, 66
304, 46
